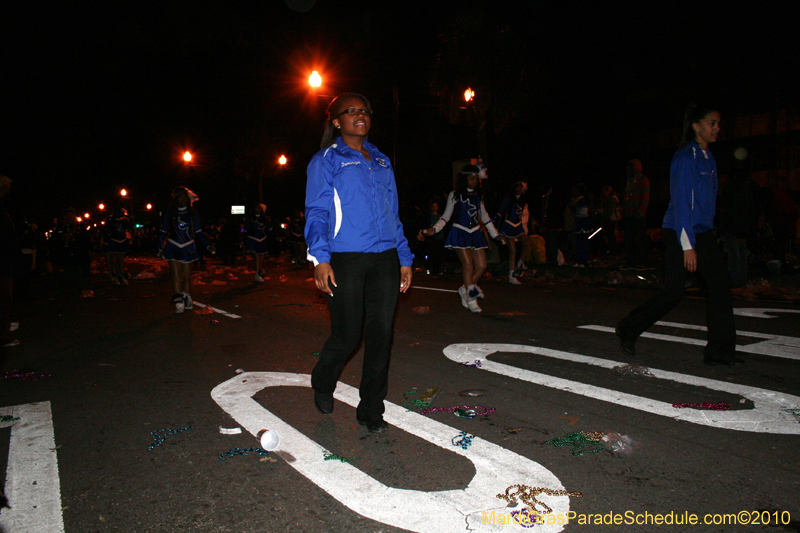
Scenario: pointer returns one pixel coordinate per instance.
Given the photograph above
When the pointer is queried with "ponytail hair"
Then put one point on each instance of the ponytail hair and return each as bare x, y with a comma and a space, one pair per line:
335, 109
694, 114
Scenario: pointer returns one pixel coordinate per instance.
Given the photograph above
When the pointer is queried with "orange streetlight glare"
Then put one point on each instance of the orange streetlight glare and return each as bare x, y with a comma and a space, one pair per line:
149, 206
123, 192
469, 94
282, 160
101, 207
86, 215
187, 156
79, 219
315, 80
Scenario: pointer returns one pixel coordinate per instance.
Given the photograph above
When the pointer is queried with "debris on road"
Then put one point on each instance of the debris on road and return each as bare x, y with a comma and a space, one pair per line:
633, 370
621, 444
230, 431
473, 392
464, 440
527, 495
578, 440
158, 439
421, 310
224, 456
333, 457
720, 406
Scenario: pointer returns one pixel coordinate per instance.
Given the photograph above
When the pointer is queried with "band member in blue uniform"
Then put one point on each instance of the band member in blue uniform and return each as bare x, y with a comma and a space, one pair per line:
117, 235
355, 240
690, 245
465, 206
256, 230
515, 229
179, 229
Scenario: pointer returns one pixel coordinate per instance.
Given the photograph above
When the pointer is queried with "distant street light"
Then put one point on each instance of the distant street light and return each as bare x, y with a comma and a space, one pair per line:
123, 192
86, 215
187, 156
149, 206
101, 207
315, 80
282, 160
469, 94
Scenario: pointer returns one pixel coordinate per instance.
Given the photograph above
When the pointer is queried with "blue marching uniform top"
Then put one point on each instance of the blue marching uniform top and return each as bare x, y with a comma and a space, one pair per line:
514, 209
256, 230
178, 234
693, 194
352, 205
117, 235
466, 231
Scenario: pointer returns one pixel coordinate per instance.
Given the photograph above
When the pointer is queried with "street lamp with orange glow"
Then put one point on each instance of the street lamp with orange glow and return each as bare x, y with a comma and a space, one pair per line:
469, 94
123, 193
187, 156
315, 80
149, 207
86, 215
282, 160
101, 206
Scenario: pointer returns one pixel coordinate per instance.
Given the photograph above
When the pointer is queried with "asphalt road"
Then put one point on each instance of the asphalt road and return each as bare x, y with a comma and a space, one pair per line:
120, 365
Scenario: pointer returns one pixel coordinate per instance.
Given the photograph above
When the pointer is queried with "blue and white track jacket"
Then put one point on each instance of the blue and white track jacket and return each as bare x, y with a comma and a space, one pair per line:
693, 194
352, 204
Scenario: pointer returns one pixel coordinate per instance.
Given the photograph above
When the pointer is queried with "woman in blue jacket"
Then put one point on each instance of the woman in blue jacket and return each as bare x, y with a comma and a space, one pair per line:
690, 244
360, 255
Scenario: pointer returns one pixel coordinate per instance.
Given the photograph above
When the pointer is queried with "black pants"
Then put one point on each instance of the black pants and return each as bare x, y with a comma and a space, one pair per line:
719, 306
635, 233
367, 291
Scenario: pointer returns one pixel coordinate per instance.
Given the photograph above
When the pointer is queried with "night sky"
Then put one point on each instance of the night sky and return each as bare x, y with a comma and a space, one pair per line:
108, 94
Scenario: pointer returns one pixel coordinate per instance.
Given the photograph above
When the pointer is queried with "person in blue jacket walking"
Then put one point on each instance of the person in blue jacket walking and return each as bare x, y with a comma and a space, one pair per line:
690, 244
360, 255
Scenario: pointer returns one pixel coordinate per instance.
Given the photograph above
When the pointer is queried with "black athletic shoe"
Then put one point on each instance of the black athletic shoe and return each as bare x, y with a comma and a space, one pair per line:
626, 344
323, 402
375, 425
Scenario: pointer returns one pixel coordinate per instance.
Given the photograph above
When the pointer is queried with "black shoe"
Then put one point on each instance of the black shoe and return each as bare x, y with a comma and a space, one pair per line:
323, 402
626, 344
732, 361
375, 425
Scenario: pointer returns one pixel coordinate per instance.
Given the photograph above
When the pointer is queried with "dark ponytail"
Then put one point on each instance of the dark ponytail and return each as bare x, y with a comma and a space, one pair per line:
694, 114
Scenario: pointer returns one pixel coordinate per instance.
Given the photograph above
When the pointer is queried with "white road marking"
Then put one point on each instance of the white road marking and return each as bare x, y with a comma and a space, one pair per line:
775, 345
430, 512
32, 485
433, 289
761, 313
767, 416
220, 311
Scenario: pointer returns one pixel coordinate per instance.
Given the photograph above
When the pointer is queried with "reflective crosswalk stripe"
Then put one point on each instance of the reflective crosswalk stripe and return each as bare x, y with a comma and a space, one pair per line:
430, 512
32, 485
774, 345
767, 416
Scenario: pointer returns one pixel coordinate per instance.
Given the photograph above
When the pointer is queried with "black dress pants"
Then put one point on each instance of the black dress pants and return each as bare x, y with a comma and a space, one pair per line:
719, 305
364, 300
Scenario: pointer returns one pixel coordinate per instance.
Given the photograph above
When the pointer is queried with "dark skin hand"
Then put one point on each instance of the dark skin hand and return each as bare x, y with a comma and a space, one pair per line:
690, 260
325, 279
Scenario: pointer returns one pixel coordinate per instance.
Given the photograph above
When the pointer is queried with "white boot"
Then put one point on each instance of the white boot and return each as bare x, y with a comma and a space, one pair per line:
511, 279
